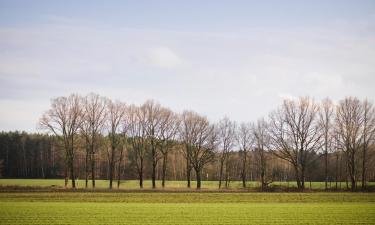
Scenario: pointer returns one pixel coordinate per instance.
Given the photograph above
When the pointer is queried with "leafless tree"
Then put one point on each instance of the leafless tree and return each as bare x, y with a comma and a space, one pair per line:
188, 135
262, 142
204, 149
94, 118
115, 115
348, 125
244, 140
64, 119
152, 115
326, 114
295, 136
137, 134
168, 128
227, 131
368, 136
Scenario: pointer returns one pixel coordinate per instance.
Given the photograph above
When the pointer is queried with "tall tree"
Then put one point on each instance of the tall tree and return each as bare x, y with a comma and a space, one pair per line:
295, 134
64, 119
368, 135
152, 115
137, 135
94, 118
244, 140
325, 119
348, 125
262, 141
227, 131
168, 128
188, 135
204, 147
115, 115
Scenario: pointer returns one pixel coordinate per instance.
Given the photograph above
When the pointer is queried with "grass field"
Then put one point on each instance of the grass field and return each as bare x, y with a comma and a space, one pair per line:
45, 205
185, 208
133, 184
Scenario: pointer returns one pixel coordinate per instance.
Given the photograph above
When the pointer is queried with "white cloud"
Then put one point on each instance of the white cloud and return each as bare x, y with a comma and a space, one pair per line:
164, 57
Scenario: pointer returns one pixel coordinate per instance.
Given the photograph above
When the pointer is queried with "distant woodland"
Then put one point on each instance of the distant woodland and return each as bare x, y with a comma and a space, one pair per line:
92, 137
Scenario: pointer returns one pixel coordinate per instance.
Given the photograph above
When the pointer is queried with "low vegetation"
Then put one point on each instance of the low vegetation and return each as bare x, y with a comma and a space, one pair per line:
75, 207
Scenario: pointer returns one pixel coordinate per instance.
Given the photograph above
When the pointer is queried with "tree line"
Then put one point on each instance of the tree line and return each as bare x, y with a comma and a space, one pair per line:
92, 137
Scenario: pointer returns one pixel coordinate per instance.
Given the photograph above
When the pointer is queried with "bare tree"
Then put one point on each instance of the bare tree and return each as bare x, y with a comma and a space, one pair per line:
64, 120
348, 124
262, 141
152, 115
295, 134
244, 140
94, 118
168, 128
137, 134
227, 129
368, 136
325, 119
203, 150
188, 135
115, 115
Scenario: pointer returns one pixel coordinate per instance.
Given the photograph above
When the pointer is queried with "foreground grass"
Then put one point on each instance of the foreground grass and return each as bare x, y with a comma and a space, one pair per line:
72, 207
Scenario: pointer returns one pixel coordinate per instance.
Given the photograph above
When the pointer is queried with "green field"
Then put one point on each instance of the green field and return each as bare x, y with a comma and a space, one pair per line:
41, 201
134, 184
67, 207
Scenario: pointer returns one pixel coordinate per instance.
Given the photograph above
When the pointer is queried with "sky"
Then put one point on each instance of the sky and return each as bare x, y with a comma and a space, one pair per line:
219, 58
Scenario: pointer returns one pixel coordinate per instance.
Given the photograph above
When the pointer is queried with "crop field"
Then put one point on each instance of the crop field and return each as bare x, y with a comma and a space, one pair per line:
134, 184
79, 207
46, 205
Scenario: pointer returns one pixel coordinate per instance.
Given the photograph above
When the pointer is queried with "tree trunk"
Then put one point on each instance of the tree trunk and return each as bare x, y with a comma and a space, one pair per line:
299, 186
364, 168
188, 171
164, 172
111, 167
86, 168
93, 169
262, 173
326, 166
72, 173
244, 170
198, 174
141, 174
221, 172
119, 170
154, 164
66, 176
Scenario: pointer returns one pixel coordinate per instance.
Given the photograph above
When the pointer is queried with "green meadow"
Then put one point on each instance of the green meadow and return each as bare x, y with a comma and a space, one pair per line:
80, 207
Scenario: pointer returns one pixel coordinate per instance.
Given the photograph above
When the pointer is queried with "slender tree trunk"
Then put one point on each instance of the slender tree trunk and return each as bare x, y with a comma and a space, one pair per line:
262, 173
198, 174
164, 172
364, 167
119, 170
141, 174
111, 166
221, 172
154, 164
72, 173
243, 174
66, 176
326, 166
336, 169
86, 167
299, 186
93, 169
188, 170
352, 172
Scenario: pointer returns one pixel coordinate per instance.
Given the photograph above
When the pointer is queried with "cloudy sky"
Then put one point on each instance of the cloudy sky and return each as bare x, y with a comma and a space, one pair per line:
220, 58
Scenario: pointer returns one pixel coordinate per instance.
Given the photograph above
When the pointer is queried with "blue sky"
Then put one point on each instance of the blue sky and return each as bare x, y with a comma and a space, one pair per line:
219, 58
